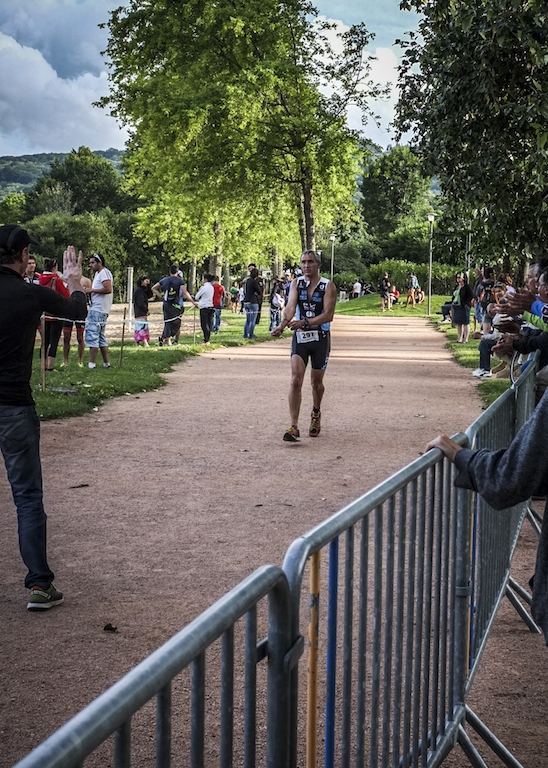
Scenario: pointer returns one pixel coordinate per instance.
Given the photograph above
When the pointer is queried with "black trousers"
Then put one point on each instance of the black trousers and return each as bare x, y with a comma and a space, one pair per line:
206, 316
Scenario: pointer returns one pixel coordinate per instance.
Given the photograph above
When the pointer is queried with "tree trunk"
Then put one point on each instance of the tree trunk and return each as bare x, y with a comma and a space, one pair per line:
192, 275
216, 258
299, 205
226, 275
275, 262
308, 207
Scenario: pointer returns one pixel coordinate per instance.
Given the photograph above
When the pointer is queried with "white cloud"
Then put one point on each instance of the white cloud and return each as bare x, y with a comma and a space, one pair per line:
383, 71
42, 112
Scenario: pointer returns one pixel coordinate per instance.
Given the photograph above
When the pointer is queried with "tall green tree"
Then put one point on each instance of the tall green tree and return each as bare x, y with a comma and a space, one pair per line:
240, 94
81, 182
394, 189
473, 95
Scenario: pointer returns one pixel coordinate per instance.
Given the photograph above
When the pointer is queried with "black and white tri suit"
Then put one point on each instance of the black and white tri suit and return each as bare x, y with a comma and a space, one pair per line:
314, 343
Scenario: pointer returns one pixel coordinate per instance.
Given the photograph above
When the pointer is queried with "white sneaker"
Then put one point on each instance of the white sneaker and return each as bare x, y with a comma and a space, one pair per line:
478, 372
486, 375
91, 365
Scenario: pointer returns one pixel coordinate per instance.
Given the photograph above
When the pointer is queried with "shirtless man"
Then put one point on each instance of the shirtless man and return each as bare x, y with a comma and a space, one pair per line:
311, 302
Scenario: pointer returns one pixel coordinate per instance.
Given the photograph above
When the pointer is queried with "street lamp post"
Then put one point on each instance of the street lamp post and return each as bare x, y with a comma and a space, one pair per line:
332, 238
431, 217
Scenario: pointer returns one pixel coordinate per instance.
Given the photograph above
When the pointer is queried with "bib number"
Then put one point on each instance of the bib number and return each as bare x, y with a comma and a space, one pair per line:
304, 337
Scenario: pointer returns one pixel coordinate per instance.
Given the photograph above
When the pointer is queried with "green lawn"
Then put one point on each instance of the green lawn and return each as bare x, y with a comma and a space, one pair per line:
466, 355
140, 371
141, 368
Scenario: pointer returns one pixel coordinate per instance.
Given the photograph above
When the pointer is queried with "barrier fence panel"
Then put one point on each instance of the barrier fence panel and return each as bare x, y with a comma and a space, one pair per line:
415, 572
113, 711
496, 533
398, 701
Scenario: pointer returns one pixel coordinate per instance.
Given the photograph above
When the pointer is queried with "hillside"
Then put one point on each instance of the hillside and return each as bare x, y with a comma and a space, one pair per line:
19, 174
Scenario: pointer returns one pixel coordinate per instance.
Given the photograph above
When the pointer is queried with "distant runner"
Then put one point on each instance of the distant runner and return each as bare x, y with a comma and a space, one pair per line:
313, 299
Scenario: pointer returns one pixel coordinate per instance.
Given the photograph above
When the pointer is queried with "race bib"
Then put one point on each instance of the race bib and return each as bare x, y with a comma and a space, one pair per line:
305, 336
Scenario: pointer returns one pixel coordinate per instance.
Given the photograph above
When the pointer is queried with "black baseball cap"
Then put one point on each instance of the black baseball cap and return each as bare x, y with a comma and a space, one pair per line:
15, 238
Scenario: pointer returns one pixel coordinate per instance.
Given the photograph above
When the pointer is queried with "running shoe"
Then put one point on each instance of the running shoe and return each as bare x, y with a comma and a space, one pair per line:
41, 599
315, 425
292, 435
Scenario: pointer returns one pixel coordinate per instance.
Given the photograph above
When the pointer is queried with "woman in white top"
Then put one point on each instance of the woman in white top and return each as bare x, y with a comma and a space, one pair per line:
204, 297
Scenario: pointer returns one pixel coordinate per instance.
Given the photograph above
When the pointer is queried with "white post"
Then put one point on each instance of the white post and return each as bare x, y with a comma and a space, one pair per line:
431, 218
130, 296
332, 238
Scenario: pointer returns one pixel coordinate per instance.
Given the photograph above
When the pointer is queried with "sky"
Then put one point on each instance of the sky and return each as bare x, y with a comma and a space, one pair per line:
52, 70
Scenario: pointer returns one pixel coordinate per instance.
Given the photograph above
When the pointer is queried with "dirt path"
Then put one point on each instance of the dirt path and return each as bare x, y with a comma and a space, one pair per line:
159, 503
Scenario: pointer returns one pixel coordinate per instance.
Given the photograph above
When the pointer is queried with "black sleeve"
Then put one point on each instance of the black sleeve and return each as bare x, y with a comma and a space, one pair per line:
73, 308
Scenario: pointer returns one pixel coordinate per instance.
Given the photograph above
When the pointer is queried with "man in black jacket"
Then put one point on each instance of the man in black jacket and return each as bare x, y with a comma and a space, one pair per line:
21, 305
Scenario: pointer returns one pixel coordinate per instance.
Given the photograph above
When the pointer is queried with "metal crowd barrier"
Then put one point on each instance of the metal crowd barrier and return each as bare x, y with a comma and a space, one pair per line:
423, 571
112, 712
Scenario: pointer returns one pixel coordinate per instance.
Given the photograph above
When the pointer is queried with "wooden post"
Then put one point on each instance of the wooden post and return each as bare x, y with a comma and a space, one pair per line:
123, 335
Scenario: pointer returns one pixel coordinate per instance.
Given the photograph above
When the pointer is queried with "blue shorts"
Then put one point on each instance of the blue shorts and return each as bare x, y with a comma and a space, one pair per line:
95, 329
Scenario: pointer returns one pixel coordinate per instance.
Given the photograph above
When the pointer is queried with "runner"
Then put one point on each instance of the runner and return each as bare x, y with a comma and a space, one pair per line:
313, 299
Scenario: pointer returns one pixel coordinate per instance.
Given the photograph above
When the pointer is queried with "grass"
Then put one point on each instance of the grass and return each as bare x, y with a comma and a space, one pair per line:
370, 306
466, 355
140, 371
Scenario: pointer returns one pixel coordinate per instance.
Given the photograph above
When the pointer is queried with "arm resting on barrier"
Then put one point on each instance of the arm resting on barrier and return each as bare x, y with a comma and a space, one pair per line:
508, 476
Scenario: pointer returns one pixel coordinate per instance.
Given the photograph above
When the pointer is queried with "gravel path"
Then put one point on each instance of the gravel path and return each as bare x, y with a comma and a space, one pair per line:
159, 503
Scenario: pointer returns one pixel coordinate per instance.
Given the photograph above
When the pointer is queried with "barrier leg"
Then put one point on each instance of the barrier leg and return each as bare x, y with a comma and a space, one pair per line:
524, 615
491, 740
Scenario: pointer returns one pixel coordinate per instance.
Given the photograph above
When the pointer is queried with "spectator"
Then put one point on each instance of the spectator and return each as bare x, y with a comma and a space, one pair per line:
394, 296
52, 325
485, 297
31, 276
384, 289
462, 303
20, 308
234, 294
505, 478
356, 290
141, 295
171, 290
204, 297
412, 285
478, 313
343, 292
260, 282
218, 303
68, 325
277, 303
100, 303
252, 301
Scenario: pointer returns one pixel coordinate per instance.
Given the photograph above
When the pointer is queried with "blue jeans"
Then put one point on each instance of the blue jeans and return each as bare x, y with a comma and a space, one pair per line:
20, 446
275, 317
251, 312
217, 320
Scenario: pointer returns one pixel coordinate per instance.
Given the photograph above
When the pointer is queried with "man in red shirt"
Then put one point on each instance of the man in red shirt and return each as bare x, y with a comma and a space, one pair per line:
218, 302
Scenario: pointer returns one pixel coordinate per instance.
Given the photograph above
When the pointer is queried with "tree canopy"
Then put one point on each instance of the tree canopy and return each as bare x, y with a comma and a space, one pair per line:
240, 95
473, 95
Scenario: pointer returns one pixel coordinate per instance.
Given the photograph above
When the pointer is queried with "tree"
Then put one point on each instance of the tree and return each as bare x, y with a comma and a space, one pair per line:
81, 182
12, 208
240, 95
473, 94
394, 189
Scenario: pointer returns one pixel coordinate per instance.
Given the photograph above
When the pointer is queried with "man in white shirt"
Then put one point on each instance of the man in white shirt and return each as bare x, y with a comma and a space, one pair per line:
100, 303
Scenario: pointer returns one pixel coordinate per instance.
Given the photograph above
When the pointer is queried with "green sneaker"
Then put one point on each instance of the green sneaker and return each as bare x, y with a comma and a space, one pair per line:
41, 599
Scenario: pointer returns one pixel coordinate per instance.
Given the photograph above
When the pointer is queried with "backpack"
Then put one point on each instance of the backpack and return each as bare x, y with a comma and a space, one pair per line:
487, 295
